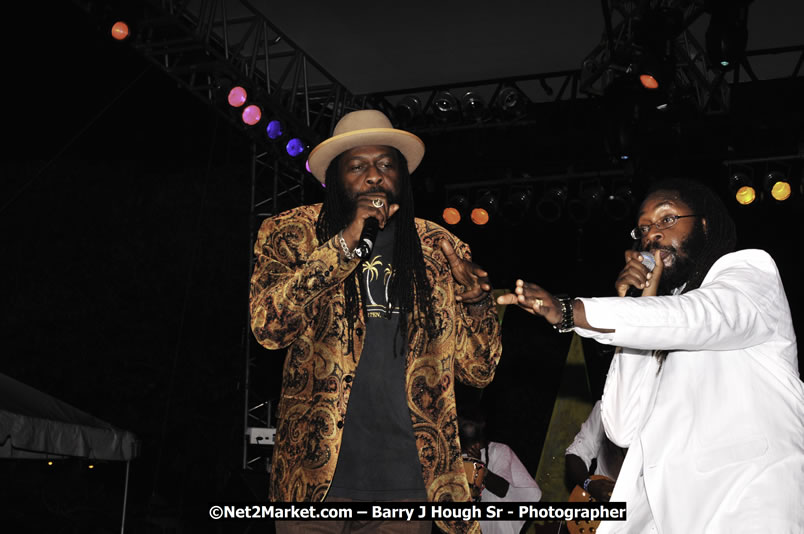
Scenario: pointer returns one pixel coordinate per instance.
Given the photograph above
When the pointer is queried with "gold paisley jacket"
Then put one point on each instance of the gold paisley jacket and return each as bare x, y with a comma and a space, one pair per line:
297, 301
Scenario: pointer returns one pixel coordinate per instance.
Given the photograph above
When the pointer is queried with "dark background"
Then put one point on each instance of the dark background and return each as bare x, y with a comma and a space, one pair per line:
124, 208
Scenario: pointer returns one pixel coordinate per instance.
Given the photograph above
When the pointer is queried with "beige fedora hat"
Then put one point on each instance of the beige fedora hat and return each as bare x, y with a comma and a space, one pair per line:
362, 128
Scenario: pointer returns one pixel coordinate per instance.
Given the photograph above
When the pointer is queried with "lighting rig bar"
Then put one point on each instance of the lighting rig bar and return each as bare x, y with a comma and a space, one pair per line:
476, 104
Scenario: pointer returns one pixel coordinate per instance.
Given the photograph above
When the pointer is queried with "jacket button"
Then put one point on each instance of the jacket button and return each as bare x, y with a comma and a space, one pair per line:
348, 379
359, 331
340, 423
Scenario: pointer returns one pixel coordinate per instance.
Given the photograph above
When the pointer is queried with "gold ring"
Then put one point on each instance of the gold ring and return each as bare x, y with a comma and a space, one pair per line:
377, 203
538, 302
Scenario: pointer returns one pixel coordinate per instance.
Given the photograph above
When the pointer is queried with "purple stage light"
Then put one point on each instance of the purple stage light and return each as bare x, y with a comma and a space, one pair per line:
295, 147
274, 129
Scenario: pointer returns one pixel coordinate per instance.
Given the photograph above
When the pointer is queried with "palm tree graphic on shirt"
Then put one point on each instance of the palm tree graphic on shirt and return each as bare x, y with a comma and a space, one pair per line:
371, 271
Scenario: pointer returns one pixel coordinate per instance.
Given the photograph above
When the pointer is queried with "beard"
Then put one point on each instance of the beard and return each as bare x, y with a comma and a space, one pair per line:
685, 264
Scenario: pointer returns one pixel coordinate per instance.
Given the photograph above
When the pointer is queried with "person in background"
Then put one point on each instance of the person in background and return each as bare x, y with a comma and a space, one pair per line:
502, 479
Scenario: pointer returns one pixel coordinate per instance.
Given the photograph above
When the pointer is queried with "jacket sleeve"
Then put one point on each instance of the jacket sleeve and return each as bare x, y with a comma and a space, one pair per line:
739, 305
586, 444
478, 335
291, 274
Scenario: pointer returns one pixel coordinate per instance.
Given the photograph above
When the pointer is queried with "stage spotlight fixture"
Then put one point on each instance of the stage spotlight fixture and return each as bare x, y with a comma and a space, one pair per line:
582, 208
446, 107
743, 188
485, 207
511, 102
617, 206
516, 206
295, 147
237, 96
120, 31
777, 184
727, 34
648, 81
251, 114
551, 205
456, 209
473, 106
408, 109
274, 130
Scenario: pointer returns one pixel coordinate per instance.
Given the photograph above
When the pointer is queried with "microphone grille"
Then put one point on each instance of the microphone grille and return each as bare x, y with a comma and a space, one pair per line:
648, 260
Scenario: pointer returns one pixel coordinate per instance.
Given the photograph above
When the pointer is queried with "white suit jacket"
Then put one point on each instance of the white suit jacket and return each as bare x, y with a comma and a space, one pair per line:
716, 436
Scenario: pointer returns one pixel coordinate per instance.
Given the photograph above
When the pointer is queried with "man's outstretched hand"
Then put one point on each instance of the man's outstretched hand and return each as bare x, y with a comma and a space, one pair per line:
471, 276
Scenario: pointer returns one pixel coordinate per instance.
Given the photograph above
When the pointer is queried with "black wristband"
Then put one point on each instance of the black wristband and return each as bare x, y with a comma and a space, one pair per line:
567, 316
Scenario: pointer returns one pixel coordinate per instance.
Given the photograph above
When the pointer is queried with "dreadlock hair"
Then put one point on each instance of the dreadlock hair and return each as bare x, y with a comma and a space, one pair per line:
720, 236
409, 289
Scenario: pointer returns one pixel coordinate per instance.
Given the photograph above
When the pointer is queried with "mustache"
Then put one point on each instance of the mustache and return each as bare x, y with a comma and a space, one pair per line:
389, 195
374, 190
670, 249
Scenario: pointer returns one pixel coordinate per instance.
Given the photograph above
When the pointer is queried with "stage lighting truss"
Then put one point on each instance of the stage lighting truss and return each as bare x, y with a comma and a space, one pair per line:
655, 46
481, 103
513, 201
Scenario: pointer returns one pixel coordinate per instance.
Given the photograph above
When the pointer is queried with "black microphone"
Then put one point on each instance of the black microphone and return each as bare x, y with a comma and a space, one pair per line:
648, 261
367, 238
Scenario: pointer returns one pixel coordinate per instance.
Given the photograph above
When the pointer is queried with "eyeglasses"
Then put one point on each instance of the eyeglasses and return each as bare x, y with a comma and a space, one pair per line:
666, 222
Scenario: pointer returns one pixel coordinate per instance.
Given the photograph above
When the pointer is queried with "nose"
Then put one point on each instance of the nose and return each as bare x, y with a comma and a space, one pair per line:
373, 174
653, 235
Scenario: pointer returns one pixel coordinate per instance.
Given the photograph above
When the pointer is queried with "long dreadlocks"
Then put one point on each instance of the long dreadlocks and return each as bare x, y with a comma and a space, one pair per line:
409, 289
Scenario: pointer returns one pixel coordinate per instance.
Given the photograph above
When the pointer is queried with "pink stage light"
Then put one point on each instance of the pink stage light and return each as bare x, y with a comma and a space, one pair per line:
252, 115
237, 96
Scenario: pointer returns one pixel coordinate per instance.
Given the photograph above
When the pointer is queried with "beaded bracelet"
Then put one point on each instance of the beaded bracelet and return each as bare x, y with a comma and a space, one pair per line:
567, 316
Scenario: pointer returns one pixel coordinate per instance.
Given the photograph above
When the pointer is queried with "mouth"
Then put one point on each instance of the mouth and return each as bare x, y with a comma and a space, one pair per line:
668, 256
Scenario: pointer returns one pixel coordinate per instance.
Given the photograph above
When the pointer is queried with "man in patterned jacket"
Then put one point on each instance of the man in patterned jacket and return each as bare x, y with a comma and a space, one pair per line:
367, 409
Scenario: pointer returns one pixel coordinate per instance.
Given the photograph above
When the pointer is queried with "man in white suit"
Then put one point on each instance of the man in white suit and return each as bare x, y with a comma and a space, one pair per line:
705, 392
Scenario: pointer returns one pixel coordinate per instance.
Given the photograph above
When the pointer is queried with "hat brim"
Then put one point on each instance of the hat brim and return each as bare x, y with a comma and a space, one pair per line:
410, 145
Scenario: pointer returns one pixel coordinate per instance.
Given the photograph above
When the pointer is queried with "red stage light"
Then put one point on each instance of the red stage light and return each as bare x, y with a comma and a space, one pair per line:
120, 30
451, 216
648, 81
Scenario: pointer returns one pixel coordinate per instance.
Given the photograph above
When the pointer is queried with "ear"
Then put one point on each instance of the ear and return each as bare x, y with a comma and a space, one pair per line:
705, 225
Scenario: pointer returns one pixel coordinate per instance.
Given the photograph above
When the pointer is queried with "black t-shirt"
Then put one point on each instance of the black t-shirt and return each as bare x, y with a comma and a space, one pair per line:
378, 460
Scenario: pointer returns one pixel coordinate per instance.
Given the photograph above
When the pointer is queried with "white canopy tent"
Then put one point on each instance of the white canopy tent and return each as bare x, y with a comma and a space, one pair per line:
34, 425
